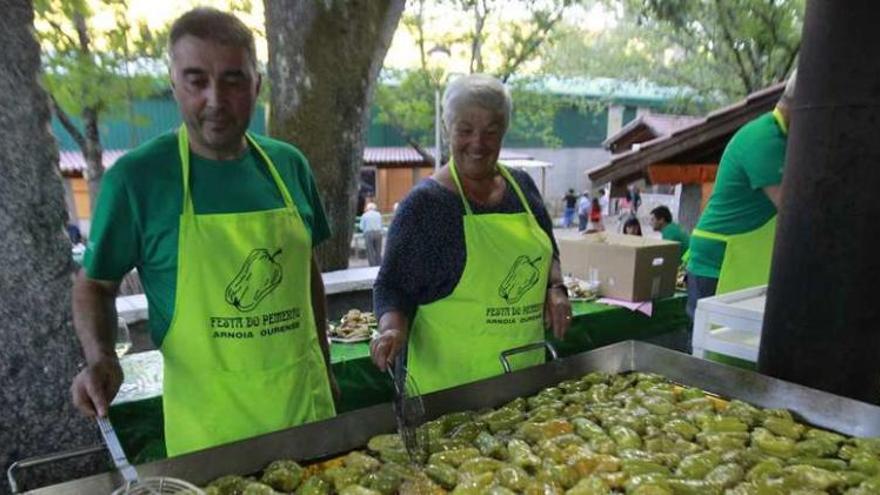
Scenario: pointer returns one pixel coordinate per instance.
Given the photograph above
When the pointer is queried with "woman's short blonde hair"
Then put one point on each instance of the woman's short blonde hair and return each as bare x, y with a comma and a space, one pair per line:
476, 89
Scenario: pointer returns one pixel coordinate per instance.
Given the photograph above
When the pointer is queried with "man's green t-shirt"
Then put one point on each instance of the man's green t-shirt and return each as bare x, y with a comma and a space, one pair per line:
673, 232
753, 159
136, 220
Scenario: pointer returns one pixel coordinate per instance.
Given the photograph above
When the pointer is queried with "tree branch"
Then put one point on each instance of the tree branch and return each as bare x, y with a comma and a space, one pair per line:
67, 123
743, 71
530, 45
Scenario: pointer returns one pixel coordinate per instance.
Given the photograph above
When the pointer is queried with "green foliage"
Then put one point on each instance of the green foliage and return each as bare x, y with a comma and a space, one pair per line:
100, 70
723, 50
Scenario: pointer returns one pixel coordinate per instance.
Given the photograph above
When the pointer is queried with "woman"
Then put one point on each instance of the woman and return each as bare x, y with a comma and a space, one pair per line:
632, 227
471, 267
595, 224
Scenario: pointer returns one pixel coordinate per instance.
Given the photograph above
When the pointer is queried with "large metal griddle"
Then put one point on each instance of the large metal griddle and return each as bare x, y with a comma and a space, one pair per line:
352, 430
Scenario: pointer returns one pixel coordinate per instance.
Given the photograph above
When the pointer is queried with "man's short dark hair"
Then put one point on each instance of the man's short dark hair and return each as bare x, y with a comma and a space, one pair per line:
206, 23
662, 213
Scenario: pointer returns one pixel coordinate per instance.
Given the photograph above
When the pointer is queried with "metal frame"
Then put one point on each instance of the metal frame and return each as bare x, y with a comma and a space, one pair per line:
352, 430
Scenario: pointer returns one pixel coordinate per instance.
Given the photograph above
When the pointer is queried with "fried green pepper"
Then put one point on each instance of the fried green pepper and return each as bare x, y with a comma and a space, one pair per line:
537, 432
535, 487
283, 475
694, 487
624, 437
746, 413
865, 462
454, 457
314, 485
228, 485
442, 474
499, 490
479, 465
771, 444
598, 394
725, 424
726, 475
724, 441
697, 466
358, 490
512, 477
817, 434
595, 463
784, 427
521, 455
692, 393
467, 431
636, 467
503, 419
681, 428
867, 487
384, 481
820, 462
590, 485
558, 474
490, 446
803, 476
815, 447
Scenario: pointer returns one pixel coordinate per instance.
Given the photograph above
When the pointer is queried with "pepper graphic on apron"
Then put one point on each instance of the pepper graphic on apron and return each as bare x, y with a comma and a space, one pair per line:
747, 256
498, 303
241, 355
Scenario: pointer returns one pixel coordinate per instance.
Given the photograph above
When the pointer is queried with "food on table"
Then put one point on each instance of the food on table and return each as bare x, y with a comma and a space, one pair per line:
634, 433
355, 324
580, 289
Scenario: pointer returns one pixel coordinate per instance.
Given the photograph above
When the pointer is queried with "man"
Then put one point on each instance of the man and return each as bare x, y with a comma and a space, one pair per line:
732, 245
569, 200
661, 221
221, 225
583, 211
371, 226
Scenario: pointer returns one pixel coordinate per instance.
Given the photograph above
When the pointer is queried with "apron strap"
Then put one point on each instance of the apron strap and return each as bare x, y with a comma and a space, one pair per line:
709, 235
183, 149
504, 173
780, 121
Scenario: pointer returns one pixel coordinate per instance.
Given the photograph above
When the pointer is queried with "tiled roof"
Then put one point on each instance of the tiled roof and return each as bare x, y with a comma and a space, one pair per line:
73, 163
660, 124
713, 130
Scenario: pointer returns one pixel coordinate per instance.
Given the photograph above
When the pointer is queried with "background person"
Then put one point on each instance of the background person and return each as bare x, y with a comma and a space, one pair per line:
632, 227
469, 247
371, 226
569, 202
583, 211
732, 246
661, 221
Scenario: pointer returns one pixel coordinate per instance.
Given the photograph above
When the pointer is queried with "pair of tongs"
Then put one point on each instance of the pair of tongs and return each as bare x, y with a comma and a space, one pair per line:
409, 410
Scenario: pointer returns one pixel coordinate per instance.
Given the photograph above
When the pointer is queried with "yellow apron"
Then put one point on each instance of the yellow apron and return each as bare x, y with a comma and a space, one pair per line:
747, 256
497, 305
241, 355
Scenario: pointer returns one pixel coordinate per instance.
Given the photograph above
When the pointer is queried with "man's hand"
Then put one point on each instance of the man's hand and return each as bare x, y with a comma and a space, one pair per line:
385, 347
96, 385
557, 311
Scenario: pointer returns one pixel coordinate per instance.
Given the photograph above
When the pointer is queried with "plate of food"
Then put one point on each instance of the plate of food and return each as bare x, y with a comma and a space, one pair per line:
580, 290
354, 326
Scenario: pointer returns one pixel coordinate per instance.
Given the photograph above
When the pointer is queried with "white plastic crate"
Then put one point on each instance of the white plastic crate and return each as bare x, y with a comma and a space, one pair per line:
730, 324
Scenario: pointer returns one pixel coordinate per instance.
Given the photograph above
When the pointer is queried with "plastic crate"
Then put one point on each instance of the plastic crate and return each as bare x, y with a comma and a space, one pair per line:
730, 324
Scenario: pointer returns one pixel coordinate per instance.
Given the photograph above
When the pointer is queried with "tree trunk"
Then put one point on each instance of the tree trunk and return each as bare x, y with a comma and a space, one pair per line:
324, 58
38, 348
93, 154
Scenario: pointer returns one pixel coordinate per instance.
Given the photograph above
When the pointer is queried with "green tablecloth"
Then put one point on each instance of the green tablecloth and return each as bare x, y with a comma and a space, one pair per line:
139, 423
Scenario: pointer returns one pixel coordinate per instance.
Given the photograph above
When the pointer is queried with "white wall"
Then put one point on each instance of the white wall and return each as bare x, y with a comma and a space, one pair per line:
568, 171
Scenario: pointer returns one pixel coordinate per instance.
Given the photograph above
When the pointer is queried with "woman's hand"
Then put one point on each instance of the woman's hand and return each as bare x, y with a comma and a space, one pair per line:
557, 311
391, 339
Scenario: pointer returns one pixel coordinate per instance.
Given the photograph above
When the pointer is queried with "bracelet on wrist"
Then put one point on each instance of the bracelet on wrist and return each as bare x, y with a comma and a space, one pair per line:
558, 286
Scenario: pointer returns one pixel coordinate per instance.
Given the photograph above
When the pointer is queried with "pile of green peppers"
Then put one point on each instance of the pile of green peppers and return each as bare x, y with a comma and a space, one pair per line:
635, 433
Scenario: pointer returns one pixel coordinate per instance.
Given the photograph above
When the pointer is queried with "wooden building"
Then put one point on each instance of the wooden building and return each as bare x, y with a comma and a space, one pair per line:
688, 156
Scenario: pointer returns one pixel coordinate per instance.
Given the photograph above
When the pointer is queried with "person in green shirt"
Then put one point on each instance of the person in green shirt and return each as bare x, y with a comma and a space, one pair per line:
661, 221
220, 225
732, 244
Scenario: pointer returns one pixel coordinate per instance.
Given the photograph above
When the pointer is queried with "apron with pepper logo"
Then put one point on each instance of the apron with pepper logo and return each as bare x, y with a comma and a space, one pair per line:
241, 355
498, 303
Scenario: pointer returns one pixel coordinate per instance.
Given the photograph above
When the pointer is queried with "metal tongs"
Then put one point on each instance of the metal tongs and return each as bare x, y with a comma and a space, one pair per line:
409, 410
133, 485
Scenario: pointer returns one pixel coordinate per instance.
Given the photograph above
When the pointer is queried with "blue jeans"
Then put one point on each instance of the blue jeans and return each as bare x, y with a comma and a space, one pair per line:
568, 217
698, 288
582, 222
